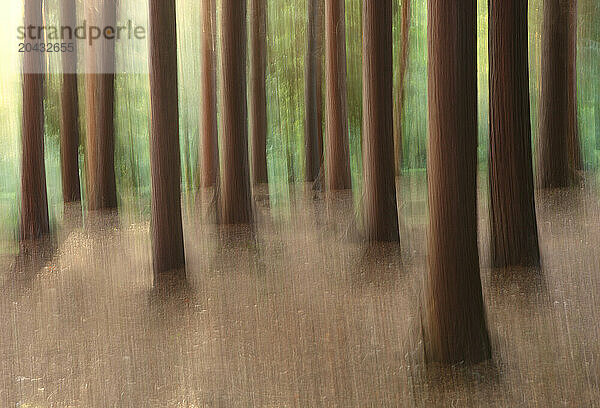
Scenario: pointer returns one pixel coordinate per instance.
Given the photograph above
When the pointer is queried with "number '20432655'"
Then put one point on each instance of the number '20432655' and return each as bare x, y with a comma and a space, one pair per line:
46, 47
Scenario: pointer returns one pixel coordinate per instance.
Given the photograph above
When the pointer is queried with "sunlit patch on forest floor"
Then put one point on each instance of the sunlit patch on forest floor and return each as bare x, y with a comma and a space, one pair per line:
297, 312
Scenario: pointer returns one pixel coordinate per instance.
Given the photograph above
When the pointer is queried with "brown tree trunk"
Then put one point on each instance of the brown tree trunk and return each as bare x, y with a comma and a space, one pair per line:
91, 103
320, 30
553, 147
575, 159
235, 182
592, 13
209, 145
320, 35
34, 201
100, 92
380, 209
106, 128
454, 320
312, 125
69, 140
514, 239
167, 231
338, 155
597, 112
402, 68
258, 96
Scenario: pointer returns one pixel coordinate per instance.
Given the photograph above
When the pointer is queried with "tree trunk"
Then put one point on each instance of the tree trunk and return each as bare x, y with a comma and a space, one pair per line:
258, 96
553, 146
313, 127
91, 103
514, 239
454, 321
380, 209
100, 92
575, 159
592, 11
320, 30
338, 155
106, 128
208, 117
167, 231
235, 183
69, 137
402, 68
34, 201
597, 112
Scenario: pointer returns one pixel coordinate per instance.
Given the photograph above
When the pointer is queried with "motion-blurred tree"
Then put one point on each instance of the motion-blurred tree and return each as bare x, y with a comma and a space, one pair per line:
514, 238
258, 97
380, 208
69, 124
454, 316
209, 145
235, 181
167, 230
338, 155
34, 202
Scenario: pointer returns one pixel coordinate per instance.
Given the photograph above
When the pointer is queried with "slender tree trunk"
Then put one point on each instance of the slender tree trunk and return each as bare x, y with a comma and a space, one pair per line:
597, 112
235, 182
69, 140
258, 96
593, 15
402, 68
312, 126
553, 146
91, 103
34, 201
167, 231
514, 238
106, 128
380, 209
454, 321
208, 117
91, 135
100, 93
575, 159
320, 30
338, 155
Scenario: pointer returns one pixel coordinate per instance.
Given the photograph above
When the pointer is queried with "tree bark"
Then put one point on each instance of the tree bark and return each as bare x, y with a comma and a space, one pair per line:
338, 154
320, 35
69, 140
100, 92
575, 159
209, 145
258, 95
402, 68
592, 12
235, 183
597, 112
91, 103
312, 125
380, 208
34, 201
167, 231
514, 239
454, 316
553, 146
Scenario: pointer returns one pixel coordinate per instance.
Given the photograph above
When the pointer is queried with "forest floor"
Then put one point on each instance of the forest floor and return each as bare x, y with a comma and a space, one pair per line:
298, 313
